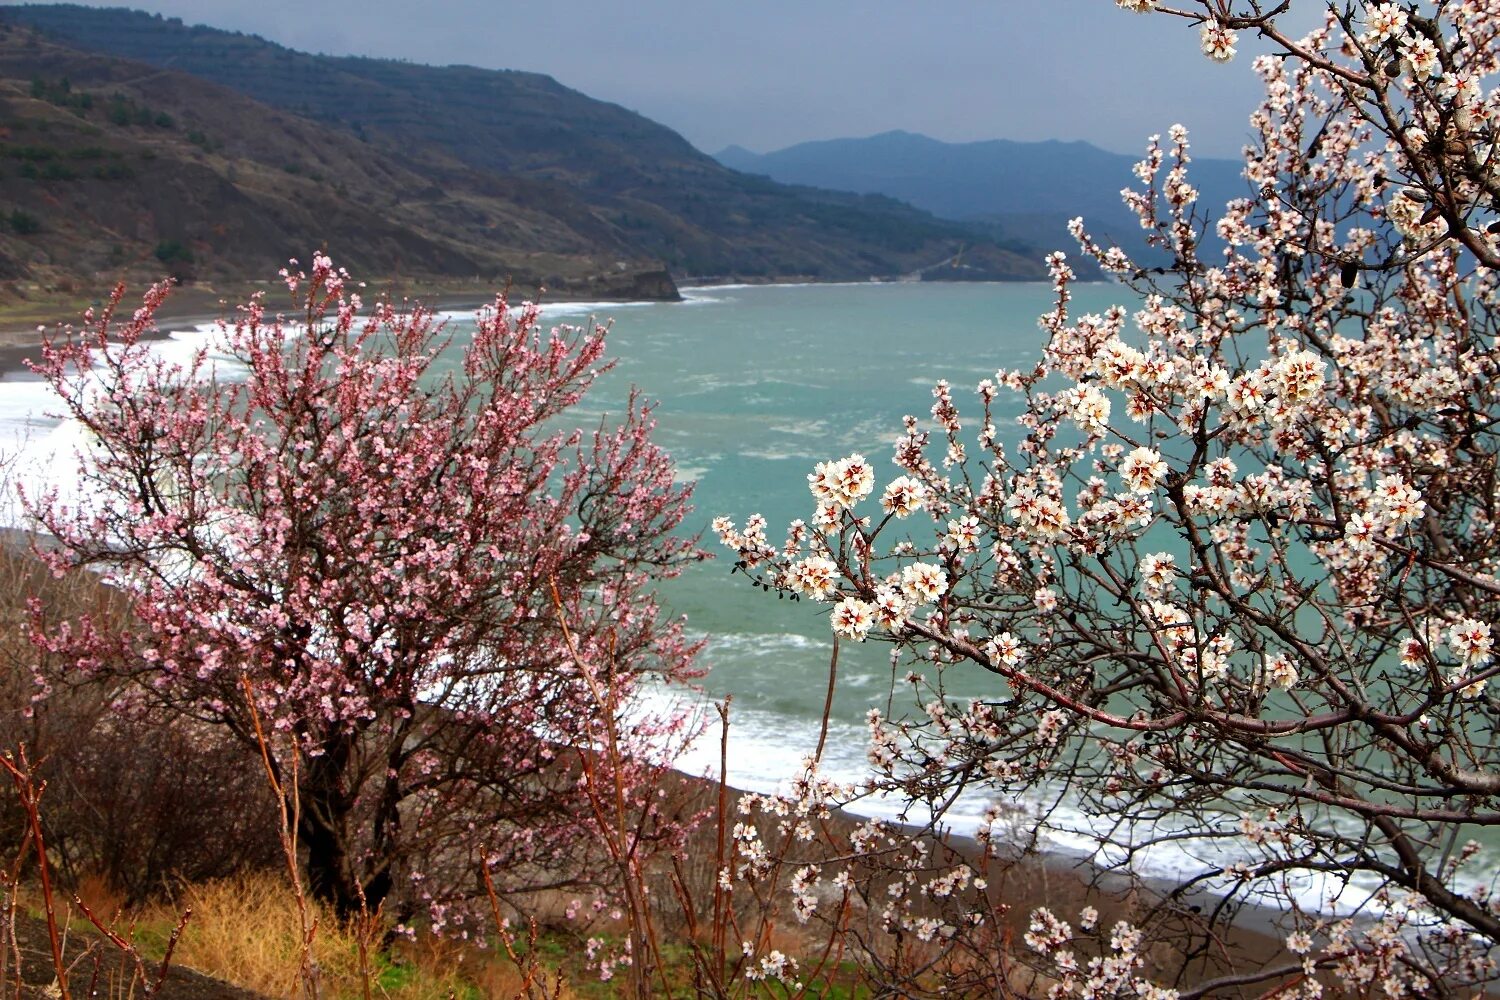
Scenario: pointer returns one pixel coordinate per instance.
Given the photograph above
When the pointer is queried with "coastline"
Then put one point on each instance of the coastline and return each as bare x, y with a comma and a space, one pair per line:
22, 325
197, 305
1064, 881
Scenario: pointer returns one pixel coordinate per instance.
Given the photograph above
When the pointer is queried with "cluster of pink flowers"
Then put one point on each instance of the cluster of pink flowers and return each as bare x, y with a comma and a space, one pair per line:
381, 563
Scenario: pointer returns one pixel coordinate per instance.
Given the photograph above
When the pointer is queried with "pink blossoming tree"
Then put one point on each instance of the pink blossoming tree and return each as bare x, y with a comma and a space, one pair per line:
1234, 570
421, 592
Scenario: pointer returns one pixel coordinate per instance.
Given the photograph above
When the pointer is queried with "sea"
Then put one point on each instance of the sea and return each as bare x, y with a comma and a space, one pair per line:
753, 385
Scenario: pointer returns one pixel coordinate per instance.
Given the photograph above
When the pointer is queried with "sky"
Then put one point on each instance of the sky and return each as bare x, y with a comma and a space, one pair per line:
772, 73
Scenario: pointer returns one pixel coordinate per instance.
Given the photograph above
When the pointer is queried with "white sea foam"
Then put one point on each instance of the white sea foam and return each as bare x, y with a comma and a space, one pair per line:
873, 283
766, 751
763, 644
693, 297
46, 446
801, 428
774, 454
601, 309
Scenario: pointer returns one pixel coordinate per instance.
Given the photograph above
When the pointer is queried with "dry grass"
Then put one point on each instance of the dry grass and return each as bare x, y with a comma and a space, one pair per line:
246, 931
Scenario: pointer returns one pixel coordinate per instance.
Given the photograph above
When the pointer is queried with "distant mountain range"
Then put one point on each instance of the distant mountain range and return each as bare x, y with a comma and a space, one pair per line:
129, 141
1028, 189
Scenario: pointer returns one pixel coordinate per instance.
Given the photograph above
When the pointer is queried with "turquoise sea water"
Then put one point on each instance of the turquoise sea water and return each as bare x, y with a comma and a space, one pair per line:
754, 386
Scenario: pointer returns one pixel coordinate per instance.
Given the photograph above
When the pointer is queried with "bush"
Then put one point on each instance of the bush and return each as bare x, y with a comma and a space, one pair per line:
136, 796
114, 172
24, 223
173, 252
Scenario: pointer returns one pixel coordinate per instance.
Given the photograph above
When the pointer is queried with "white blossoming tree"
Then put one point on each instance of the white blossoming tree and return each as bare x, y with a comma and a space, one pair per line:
1233, 568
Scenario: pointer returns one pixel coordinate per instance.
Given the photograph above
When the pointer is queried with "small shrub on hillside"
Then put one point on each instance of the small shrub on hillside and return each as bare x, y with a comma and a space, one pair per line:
173, 252
24, 223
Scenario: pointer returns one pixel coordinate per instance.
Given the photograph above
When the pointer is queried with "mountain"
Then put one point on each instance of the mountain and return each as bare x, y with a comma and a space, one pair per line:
642, 189
1030, 189
109, 168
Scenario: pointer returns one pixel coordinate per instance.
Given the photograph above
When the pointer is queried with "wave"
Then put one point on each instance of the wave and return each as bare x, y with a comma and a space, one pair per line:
776, 455
43, 447
548, 310
762, 644
703, 383
870, 283
767, 750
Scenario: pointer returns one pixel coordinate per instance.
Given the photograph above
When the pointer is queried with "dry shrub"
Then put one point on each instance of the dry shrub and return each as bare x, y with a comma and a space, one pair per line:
147, 800
138, 798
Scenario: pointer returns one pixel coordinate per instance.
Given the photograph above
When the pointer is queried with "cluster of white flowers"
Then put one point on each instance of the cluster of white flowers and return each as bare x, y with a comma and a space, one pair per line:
1399, 503
1407, 211
750, 544
1383, 21
1218, 42
903, 496
1046, 931
1473, 645
773, 965
1005, 648
1157, 570
815, 577
1088, 407
842, 484
852, 618
1297, 377
1419, 56
923, 583
1037, 514
890, 607
1142, 469
963, 534
1281, 671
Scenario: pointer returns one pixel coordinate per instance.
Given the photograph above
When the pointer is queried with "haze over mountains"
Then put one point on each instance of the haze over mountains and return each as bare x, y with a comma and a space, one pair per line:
1030, 189
247, 148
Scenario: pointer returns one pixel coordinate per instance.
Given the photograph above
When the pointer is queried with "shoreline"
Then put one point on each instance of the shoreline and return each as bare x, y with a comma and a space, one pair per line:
188, 308
22, 325
1064, 881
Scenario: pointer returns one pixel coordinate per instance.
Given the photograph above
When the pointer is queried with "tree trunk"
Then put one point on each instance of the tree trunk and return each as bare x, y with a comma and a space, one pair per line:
326, 805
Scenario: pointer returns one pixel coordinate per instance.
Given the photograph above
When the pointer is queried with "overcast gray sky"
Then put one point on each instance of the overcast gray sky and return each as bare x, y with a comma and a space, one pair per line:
772, 73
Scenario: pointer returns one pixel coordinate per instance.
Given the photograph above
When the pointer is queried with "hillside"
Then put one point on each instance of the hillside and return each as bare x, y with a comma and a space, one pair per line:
1030, 189
109, 168
651, 190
